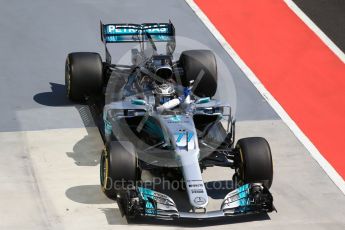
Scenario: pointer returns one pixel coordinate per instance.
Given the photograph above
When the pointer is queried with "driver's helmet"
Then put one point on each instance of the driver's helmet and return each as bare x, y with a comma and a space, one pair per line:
164, 92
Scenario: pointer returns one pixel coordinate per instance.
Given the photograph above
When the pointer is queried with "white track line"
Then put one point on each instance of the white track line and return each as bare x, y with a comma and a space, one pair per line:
335, 177
335, 49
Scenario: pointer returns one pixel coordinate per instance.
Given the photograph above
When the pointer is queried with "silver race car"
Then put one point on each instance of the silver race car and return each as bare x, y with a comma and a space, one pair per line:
160, 116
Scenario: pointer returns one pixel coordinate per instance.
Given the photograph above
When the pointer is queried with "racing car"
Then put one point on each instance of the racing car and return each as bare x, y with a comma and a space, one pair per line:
161, 115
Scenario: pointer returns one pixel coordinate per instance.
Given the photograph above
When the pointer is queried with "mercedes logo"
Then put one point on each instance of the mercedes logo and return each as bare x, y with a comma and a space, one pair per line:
199, 200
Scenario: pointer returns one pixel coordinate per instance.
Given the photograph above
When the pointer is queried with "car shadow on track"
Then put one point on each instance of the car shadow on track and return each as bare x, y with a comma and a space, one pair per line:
87, 194
218, 189
113, 216
86, 152
192, 223
91, 194
57, 96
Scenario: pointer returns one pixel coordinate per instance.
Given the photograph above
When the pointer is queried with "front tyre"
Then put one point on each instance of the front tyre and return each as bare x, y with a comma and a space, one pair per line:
254, 161
118, 167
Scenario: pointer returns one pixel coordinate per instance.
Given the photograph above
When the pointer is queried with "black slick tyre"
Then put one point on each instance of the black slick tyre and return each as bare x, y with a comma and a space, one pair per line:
83, 75
199, 66
118, 167
254, 161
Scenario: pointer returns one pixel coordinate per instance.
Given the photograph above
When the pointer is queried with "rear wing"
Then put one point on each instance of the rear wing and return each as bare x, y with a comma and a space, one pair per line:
119, 33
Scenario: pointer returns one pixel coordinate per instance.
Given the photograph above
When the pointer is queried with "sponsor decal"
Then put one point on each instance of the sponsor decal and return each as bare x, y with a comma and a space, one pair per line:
197, 190
112, 29
195, 185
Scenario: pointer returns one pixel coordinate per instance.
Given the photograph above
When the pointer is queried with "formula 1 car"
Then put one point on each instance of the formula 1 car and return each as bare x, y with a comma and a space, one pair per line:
160, 115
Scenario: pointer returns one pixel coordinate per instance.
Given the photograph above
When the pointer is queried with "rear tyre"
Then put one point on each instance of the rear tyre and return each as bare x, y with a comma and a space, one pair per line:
254, 161
118, 167
83, 75
200, 66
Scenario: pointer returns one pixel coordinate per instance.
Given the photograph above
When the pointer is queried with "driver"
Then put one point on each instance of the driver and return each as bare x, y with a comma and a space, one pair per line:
164, 92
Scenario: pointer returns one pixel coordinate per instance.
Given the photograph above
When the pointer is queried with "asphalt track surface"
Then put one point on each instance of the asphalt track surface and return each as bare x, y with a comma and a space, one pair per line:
50, 149
329, 16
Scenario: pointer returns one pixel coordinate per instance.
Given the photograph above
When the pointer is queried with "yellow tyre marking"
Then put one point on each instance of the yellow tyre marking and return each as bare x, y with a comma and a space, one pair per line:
241, 167
106, 162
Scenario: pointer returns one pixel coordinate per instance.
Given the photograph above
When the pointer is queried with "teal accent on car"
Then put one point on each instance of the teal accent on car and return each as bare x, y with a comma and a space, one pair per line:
203, 100
108, 128
138, 102
175, 118
146, 194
